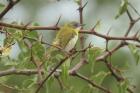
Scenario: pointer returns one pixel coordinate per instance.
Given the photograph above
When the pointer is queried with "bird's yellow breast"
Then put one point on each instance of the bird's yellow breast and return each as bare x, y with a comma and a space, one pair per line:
71, 44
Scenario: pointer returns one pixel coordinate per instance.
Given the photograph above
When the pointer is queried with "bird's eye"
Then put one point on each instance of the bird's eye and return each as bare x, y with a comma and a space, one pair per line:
76, 25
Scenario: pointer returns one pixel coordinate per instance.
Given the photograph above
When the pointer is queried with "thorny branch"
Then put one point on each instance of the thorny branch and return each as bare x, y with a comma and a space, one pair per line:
10, 5
57, 66
29, 72
15, 71
83, 59
90, 32
124, 41
92, 83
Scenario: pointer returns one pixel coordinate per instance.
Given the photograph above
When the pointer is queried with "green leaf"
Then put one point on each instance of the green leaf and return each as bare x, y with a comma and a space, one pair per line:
35, 24
15, 34
122, 86
136, 52
32, 35
92, 54
87, 89
12, 63
8, 41
77, 1
6, 62
18, 35
56, 56
65, 68
24, 56
98, 78
49, 84
38, 50
11, 30
24, 60
28, 83
97, 25
122, 9
23, 47
1, 6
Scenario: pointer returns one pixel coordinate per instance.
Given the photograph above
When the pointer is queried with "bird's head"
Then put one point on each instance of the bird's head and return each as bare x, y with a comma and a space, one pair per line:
75, 25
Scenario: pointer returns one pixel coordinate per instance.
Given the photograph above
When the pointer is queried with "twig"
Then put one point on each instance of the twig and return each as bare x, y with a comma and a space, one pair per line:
129, 90
106, 54
52, 71
57, 66
59, 82
22, 27
25, 37
134, 9
92, 83
15, 71
109, 66
81, 63
131, 25
129, 16
58, 21
108, 37
81, 7
10, 5
78, 66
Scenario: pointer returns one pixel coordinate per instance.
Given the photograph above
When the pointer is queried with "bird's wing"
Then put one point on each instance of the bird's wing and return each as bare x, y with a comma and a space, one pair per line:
65, 36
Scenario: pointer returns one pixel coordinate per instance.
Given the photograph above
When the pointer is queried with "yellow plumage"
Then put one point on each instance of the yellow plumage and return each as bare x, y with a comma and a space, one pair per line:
67, 36
65, 40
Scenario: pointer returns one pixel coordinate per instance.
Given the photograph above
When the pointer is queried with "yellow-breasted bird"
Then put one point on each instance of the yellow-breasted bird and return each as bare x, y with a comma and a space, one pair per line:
66, 38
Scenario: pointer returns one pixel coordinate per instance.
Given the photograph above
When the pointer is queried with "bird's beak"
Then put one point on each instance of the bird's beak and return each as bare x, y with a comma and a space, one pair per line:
82, 25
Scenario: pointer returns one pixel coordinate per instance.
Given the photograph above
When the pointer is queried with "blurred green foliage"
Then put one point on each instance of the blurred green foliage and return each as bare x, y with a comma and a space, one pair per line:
96, 71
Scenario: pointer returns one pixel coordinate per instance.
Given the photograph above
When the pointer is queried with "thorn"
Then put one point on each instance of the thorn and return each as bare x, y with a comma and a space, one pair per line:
134, 9
82, 7
26, 25
92, 30
41, 37
90, 45
97, 23
58, 20
109, 30
136, 34
85, 4
129, 16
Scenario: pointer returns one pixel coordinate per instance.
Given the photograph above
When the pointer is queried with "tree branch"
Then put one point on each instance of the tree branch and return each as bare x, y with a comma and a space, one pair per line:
10, 5
22, 27
15, 71
92, 83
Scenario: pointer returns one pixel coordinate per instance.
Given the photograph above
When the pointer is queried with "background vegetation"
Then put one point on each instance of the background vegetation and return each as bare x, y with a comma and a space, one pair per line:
28, 26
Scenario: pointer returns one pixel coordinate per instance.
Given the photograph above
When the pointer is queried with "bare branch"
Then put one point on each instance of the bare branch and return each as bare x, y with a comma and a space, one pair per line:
58, 21
129, 15
22, 27
54, 69
11, 4
111, 69
15, 71
92, 83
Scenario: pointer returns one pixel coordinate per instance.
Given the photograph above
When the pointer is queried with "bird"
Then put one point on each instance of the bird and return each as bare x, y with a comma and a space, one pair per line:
65, 39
